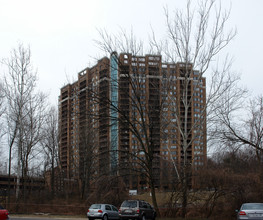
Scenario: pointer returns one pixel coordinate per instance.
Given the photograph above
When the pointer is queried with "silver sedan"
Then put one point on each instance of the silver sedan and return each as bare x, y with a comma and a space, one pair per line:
250, 211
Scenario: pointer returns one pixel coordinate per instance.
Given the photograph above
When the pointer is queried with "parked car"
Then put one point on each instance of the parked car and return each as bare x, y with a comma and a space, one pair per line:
4, 214
136, 209
102, 211
250, 211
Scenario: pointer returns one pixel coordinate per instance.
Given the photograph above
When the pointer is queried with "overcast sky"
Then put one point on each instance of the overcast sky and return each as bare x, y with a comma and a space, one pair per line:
61, 34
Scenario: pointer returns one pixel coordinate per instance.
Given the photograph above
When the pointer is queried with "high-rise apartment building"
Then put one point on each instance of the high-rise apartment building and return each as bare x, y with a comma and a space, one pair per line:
126, 108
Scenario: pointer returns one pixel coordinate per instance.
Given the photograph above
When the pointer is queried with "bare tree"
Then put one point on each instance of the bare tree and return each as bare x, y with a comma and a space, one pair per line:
87, 140
25, 107
2, 106
133, 116
50, 145
196, 36
2, 110
32, 133
255, 124
239, 130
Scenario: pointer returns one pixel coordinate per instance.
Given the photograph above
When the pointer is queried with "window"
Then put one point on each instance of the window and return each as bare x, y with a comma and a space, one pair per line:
107, 207
131, 204
115, 209
95, 206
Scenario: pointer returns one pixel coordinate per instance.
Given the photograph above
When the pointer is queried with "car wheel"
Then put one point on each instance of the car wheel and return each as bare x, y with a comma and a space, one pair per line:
90, 218
105, 217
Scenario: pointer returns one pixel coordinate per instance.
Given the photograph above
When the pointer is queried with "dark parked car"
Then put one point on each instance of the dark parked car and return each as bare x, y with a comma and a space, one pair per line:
136, 209
102, 211
250, 211
4, 214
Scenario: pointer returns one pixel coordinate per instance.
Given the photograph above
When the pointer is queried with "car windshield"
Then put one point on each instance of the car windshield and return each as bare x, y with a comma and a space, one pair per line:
252, 206
130, 204
95, 206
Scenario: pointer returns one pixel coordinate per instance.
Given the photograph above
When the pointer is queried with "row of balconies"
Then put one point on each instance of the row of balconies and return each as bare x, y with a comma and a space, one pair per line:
65, 107
124, 133
64, 133
64, 104
64, 94
64, 164
63, 155
125, 100
64, 142
103, 73
82, 84
64, 114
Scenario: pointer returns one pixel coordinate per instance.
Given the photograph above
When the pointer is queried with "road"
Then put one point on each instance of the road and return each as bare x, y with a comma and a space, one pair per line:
34, 218
42, 218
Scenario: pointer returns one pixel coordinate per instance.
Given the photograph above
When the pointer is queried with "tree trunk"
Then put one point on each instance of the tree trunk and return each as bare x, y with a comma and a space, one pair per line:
154, 200
185, 192
9, 174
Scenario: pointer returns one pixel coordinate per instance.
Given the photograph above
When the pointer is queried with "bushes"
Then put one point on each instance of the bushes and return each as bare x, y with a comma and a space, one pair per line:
234, 179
